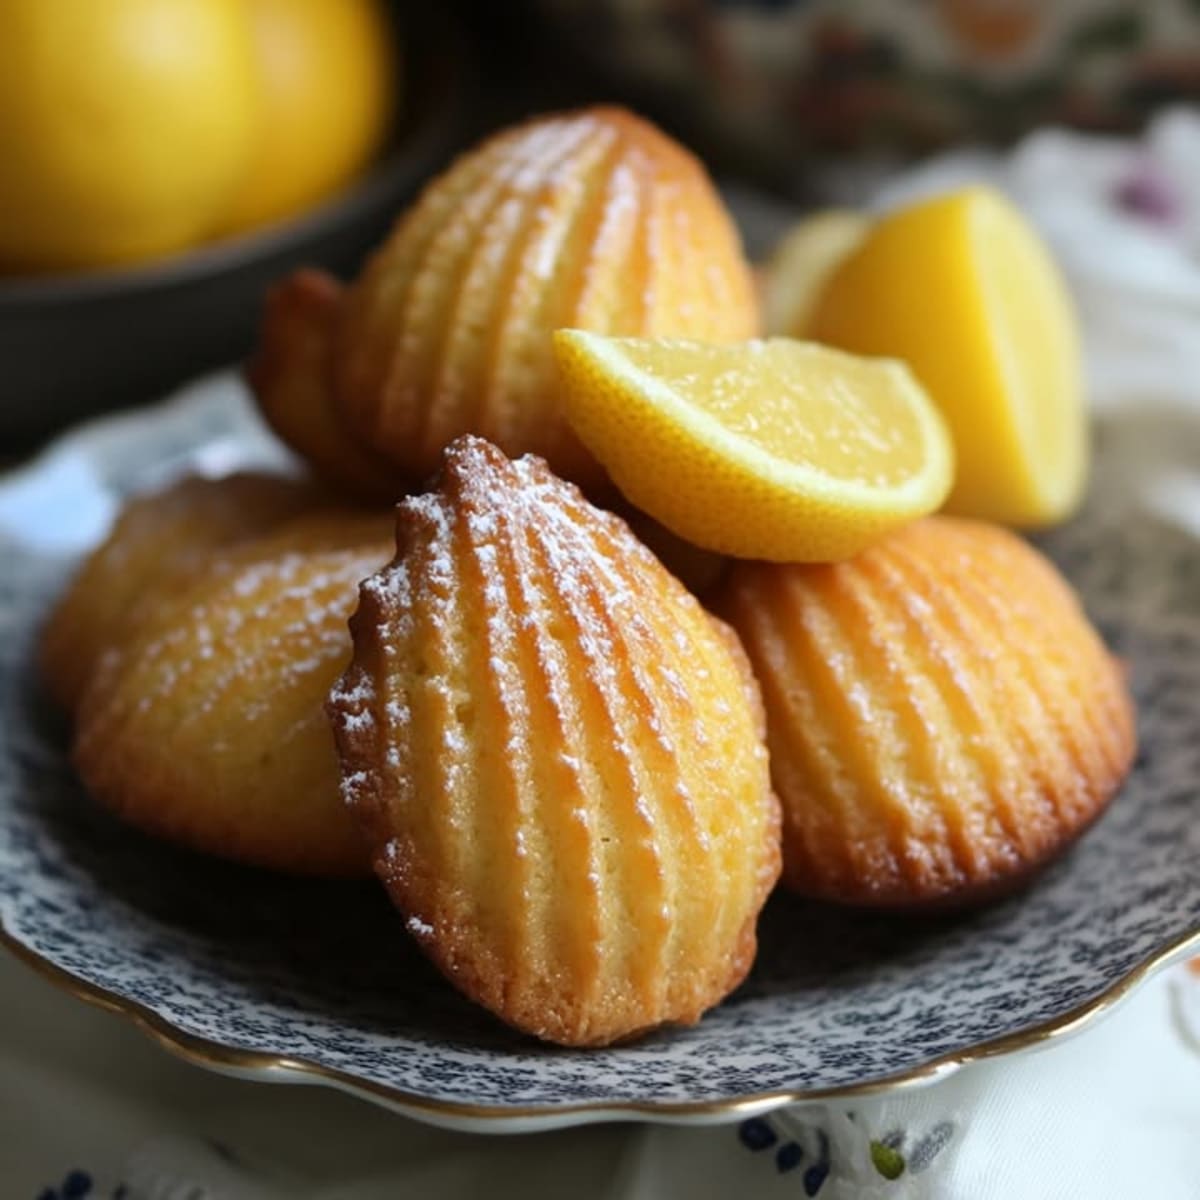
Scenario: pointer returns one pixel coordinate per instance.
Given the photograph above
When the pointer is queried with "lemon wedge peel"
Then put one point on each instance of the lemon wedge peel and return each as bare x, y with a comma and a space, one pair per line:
682, 465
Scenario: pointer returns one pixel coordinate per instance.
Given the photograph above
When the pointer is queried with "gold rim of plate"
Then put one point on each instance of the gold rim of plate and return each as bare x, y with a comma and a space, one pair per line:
205, 1052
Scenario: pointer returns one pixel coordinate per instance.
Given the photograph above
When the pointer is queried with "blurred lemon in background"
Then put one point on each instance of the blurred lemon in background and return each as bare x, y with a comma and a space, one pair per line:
802, 263
328, 76
125, 125
131, 129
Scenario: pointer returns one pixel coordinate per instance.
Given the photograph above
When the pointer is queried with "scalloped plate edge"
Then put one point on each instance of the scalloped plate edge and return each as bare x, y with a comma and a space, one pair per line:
266, 1067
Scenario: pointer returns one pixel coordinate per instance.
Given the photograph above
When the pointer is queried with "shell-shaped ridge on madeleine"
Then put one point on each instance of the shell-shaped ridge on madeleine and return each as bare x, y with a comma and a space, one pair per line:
206, 725
592, 219
159, 541
943, 719
291, 375
557, 755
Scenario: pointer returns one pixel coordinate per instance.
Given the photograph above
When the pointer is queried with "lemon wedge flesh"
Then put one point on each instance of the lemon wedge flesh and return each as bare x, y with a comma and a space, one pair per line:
772, 449
962, 289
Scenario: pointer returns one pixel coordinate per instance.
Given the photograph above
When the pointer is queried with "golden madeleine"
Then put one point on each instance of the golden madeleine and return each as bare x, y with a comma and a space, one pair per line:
557, 757
206, 724
942, 717
290, 376
697, 569
592, 219
157, 538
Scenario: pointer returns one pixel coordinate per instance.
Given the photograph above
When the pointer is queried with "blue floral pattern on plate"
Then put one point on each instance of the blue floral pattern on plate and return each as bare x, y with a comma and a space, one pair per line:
244, 969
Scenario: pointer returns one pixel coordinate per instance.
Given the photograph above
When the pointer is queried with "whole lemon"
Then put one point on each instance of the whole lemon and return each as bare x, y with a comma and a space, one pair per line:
125, 126
328, 76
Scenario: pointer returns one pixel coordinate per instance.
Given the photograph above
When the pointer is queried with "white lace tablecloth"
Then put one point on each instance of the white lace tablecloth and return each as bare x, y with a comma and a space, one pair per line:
89, 1108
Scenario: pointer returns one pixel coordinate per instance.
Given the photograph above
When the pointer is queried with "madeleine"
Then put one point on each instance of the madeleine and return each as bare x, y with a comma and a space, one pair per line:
591, 219
557, 757
942, 717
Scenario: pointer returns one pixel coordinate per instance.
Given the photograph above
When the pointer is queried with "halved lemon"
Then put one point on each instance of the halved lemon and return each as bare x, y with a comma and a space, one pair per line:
772, 449
962, 289
801, 264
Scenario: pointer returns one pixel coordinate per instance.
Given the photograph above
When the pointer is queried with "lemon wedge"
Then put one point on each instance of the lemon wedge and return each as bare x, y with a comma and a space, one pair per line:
962, 289
772, 449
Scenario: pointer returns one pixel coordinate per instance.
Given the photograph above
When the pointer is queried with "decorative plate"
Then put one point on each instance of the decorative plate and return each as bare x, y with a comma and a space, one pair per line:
260, 975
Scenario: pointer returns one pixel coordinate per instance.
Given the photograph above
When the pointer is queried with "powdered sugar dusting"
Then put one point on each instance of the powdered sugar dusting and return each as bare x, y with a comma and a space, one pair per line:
419, 928
273, 619
516, 604
353, 786
354, 690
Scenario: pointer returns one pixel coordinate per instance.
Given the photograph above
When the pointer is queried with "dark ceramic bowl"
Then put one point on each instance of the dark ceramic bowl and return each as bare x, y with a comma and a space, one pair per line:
74, 345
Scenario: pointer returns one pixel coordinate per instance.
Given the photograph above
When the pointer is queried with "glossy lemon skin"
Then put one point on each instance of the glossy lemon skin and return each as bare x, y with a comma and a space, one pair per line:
329, 77
128, 149
961, 288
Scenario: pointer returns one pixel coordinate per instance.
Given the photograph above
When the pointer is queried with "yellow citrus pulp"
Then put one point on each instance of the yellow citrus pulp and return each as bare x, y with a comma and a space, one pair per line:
328, 77
771, 449
125, 126
963, 290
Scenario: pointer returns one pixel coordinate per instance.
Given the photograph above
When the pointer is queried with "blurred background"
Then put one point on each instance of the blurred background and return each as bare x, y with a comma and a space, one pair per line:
153, 188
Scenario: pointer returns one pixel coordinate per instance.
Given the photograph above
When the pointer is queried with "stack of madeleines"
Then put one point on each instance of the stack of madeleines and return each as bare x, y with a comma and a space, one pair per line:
578, 783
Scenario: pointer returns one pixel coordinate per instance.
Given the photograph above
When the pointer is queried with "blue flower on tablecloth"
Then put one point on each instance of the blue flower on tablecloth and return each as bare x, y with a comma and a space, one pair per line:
80, 1185
757, 1134
815, 1176
75, 1185
817, 1146
788, 1156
